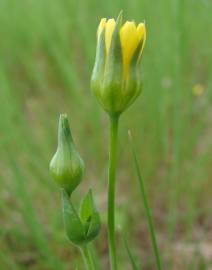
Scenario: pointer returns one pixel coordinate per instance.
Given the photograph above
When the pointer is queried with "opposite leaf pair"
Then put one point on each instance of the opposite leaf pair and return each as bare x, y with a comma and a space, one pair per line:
83, 227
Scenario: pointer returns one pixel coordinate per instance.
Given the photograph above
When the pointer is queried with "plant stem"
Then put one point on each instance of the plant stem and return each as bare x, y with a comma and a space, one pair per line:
146, 208
88, 260
95, 258
111, 190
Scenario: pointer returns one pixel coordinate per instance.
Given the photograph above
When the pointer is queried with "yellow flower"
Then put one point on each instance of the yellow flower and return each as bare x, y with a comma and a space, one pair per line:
115, 80
130, 37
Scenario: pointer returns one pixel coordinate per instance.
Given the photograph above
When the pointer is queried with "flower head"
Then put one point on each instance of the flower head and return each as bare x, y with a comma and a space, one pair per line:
115, 79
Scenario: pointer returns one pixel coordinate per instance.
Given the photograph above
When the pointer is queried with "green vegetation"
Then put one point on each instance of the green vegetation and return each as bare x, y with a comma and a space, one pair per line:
47, 51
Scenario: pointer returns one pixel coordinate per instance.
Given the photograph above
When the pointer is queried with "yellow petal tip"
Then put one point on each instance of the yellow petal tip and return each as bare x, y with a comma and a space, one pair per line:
101, 26
109, 28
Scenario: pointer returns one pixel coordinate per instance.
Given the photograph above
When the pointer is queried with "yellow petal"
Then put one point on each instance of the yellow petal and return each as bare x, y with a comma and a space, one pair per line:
129, 42
110, 25
141, 29
101, 26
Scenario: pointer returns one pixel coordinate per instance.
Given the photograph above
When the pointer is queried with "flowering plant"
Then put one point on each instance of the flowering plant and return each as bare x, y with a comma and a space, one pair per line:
116, 83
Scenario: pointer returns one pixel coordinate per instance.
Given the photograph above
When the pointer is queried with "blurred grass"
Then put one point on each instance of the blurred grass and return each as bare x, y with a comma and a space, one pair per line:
47, 51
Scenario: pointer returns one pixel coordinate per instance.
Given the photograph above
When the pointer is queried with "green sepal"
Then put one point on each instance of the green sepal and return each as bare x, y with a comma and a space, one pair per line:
73, 225
133, 83
113, 68
89, 216
113, 76
98, 70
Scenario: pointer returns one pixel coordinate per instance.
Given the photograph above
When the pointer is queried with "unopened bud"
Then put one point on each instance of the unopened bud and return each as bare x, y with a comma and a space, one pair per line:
66, 166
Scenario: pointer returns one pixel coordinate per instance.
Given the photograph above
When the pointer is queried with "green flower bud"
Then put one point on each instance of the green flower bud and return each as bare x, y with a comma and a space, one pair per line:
115, 80
66, 166
84, 227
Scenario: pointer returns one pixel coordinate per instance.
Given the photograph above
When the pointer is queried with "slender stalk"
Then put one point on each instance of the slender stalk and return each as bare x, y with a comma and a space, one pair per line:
94, 255
111, 190
146, 208
129, 253
88, 260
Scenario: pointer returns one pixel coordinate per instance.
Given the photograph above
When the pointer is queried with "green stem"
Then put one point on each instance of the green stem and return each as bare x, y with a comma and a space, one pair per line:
88, 260
111, 190
95, 258
146, 208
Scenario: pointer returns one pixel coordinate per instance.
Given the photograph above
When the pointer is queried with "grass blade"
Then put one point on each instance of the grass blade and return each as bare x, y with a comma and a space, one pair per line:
129, 253
146, 206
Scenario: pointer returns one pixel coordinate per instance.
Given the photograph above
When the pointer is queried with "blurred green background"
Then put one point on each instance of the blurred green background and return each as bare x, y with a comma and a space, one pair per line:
47, 51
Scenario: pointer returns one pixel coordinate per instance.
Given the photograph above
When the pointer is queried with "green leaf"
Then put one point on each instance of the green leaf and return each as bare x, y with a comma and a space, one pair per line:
87, 207
89, 216
94, 226
73, 225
